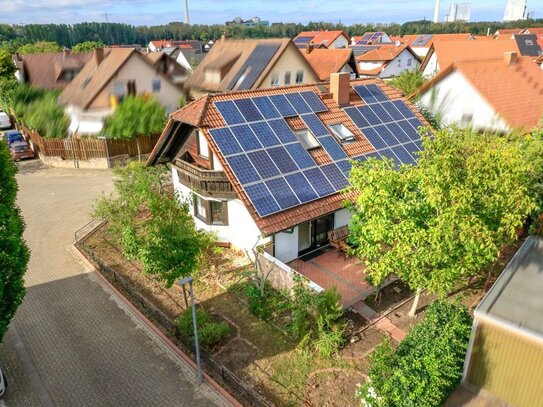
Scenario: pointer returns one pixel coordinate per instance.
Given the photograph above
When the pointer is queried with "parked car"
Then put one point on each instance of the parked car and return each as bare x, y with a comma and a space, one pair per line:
5, 122
3, 384
12, 136
20, 150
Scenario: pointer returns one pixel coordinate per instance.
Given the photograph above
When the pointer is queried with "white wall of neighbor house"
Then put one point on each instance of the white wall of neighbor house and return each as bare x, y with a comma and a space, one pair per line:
342, 217
88, 122
290, 61
241, 230
286, 245
339, 42
456, 102
421, 51
432, 67
406, 61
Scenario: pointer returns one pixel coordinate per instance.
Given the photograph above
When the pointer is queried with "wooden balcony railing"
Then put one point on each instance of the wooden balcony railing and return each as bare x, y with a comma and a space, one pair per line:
207, 182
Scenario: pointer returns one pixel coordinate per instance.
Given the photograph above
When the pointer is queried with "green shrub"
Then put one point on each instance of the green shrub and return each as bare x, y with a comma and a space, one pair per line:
258, 304
210, 332
427, 365
46, 116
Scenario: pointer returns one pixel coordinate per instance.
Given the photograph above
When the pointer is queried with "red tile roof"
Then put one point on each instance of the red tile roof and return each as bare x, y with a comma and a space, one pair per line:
203, 114
323, 37
383, 53
325, 61
410, 39
515, 91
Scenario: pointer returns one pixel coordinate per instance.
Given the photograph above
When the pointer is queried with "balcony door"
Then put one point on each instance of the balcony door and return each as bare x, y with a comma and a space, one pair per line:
314, 234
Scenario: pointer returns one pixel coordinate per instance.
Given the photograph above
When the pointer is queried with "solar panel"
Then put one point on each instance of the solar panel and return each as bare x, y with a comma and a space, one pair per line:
377, 93
299, 40
226, 141
301, 187
403, 108
248, 110
375, 154
416, 123
412, 149
229, 112
409, 130
395, 129
245, 137
249, 72
369, 115
418, 144
282, 159
315, 125
314, 102
392, 111
344, 166
370, 93
333, 149
266, 107
357, 117
386, 135
404, 156
319, 182
262, 199
282, 193
298, 103
381, 113
283, 106
243, 169
374, 138
264, 134
388, 153
282, 130
300, 155
335, 176
263, 164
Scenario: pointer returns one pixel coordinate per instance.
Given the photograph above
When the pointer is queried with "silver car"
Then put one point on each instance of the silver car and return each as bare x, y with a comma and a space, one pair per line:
5, 123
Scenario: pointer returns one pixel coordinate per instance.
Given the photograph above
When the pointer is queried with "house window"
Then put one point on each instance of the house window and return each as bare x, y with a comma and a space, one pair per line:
211, 212
467, 118
156, 85
409, 62
203, 149
399, 63
131, 87
275, 79
307, 139
287, 78
342, 132
300, 76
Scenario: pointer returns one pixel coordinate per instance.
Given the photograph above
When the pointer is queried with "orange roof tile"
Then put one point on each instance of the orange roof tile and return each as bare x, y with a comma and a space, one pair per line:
383, 53
449, 52
203, 114
325, 61
323, 37
411, 38
515, 91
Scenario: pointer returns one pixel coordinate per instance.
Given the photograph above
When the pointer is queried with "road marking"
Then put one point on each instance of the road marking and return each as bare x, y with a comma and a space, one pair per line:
29, 368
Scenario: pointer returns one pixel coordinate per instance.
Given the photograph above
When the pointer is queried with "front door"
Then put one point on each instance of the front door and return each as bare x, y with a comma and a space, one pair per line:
314, 234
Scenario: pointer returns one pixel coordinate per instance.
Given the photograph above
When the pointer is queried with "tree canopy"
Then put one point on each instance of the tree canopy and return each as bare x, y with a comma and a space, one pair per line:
46, 116
39, 47
87, 46
152, 225
447, 218
14, 253
408, 82
7, 67
136, 116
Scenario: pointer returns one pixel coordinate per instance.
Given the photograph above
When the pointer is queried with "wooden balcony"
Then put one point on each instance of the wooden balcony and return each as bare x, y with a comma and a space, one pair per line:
205, 182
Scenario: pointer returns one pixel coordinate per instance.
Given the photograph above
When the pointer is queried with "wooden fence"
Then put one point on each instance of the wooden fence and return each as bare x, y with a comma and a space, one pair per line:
84, 149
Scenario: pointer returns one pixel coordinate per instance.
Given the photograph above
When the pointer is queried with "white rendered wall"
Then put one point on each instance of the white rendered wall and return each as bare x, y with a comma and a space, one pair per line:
432, 67
454, 98
286, 245
392, 69
342, 217
241, 230
340, 42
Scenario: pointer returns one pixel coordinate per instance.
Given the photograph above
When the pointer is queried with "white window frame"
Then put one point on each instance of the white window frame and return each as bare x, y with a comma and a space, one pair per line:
203, 148
275, 79
409, 61
308, 140
299, 76
156, 85
288, 78
342, 132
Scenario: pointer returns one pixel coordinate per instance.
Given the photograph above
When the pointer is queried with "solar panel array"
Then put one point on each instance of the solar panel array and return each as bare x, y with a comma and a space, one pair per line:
273, 166
370, 38
422, 40
253, 66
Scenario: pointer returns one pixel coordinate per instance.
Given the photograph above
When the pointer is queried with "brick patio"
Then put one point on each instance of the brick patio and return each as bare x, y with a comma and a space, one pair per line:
330, 269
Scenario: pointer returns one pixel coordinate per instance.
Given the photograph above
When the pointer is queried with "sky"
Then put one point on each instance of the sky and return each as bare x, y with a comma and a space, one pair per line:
154, 12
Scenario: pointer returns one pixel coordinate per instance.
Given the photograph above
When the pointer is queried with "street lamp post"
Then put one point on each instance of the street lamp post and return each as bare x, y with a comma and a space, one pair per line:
182, 283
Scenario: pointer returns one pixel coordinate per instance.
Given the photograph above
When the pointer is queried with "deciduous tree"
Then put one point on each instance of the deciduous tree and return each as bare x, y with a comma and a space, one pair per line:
87, 46
39, 47
435, 224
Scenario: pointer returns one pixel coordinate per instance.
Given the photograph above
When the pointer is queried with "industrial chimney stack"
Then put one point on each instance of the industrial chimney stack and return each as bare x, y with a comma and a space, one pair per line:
436, 12
187, 20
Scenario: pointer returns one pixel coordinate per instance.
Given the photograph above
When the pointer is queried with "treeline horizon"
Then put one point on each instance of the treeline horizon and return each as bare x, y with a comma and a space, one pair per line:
67, 35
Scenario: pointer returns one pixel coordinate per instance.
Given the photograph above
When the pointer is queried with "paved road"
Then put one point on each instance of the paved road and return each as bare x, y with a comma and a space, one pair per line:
71, 343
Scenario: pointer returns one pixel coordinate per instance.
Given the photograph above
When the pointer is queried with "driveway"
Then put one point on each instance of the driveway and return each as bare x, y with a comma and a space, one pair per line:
72, 343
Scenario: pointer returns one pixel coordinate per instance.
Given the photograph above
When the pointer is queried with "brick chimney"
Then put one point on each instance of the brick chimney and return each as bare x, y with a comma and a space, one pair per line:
340, 87
510, 58
308, 48
98, 56
66, 52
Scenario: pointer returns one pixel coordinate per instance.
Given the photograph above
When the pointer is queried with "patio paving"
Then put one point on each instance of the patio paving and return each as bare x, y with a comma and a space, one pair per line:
330, 269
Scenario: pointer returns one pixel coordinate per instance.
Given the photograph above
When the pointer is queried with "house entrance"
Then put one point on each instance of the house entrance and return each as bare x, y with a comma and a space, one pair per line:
314, 234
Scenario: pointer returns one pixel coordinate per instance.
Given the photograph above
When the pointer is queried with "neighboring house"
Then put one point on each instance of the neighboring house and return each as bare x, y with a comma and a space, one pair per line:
187, 53
109, 76
252, 22
444, 53
385, 61
538, 31
168, 66
372, 38
507, 33
159, 45
53, 70
326, 61
268, 166
494, 94
422, 43
326, 39
250, 64
505, 354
